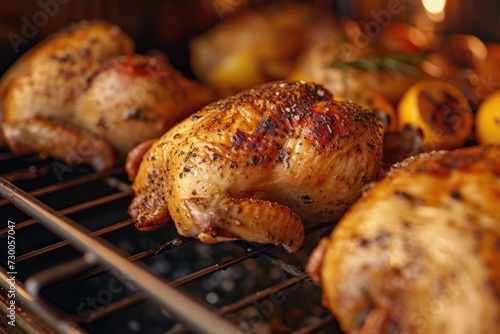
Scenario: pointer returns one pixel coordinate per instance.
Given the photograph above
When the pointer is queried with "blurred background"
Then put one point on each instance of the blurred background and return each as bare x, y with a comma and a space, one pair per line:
168, 24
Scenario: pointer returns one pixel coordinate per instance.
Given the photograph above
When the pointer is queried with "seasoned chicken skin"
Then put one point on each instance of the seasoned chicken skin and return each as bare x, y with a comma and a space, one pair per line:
44, 83
419, 253
83, 96
132, 99
257, 165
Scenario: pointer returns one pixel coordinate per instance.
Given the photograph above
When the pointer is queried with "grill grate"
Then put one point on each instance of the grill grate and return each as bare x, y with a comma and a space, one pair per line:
81, 266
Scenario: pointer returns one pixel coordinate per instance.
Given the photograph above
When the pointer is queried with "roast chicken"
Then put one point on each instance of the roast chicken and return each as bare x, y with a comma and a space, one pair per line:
257, 165
349, 70
259, 45
419, 252
83, 96
132, 99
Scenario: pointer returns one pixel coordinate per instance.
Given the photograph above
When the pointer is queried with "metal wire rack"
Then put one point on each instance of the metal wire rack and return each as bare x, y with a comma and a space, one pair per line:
80, 266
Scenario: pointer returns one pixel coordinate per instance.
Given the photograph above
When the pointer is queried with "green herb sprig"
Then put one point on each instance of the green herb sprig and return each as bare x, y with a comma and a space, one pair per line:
400, 63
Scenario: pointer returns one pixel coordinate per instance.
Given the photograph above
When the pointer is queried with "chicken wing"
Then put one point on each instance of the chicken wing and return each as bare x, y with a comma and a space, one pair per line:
258, 164
419, 253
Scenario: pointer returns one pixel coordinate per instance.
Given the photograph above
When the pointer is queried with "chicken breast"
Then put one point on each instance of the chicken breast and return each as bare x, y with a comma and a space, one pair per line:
257, 165
84, 97
419, 253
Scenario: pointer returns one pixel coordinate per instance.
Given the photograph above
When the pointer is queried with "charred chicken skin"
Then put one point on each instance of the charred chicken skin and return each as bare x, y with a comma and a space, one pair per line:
419, 252
257, 165
83, 96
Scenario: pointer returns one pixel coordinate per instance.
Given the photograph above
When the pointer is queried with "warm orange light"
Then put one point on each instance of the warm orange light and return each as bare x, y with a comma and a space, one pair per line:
434, 6
435, 9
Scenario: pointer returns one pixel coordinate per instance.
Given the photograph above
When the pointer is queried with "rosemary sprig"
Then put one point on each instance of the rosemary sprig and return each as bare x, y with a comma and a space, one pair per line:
397, 63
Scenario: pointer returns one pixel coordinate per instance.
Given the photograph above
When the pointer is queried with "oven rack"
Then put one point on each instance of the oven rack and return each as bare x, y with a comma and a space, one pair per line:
76, 252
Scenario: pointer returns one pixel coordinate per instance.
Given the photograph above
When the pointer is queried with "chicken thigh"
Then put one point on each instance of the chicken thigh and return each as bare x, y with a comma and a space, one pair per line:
257, 165
420, 252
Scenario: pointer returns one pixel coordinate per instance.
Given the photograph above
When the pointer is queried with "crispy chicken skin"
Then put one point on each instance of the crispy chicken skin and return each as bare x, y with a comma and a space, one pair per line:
132, 99
83, 96
46, 80
257, 165
80, 48
419, 252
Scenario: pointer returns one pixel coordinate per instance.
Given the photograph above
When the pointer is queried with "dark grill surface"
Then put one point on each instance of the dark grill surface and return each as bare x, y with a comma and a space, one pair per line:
75, 285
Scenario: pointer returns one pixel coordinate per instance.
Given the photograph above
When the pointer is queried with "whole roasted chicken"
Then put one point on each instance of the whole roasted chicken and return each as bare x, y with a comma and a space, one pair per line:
257, 165
83, 96
419, 253
258, 44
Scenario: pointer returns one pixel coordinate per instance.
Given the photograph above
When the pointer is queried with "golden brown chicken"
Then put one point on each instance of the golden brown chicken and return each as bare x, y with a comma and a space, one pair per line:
132, 99
347, 70
256, 165
419, 253
352, 62
254, 46
44, 83
84, 97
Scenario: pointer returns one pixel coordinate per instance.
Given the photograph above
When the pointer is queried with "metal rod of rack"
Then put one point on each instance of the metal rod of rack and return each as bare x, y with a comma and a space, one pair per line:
113, 179
71, 183
58, 321
178, 304
60, 244
260, 295
75, 208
